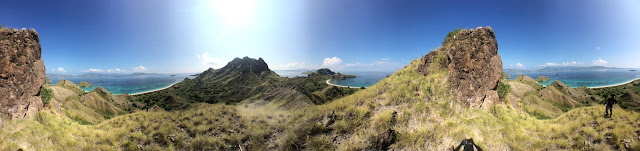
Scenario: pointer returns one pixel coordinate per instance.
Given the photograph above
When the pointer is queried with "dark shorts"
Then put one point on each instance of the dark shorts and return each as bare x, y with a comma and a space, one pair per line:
609, 107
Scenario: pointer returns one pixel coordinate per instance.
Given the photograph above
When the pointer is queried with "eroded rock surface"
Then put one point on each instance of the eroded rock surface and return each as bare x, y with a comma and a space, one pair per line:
22, 72
474, 65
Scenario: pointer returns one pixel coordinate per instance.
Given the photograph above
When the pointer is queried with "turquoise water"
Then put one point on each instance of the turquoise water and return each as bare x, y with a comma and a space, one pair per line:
130, 84
588, 78
362, 79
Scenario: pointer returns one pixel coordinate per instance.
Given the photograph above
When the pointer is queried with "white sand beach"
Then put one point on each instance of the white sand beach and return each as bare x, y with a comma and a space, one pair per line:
331, 84
614, 84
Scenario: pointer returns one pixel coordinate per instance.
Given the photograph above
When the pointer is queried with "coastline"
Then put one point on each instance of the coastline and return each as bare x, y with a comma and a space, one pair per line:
613, 85
331, 84
153, 90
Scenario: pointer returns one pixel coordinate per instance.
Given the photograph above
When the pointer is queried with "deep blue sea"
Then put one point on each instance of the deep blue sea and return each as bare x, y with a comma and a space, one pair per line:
588, 78
362, 79
126, 83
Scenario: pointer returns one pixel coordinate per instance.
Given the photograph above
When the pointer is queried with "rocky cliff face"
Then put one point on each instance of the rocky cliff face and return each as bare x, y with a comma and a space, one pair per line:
474, 65
22, 72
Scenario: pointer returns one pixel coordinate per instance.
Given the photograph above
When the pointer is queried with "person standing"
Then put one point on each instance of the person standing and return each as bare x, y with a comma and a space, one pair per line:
609, 109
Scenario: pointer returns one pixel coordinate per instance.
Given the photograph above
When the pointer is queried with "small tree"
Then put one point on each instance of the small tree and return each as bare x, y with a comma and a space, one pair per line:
46, 94
503, 89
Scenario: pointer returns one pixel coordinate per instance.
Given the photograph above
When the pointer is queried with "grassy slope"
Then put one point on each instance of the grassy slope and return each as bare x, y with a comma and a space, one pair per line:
418, 108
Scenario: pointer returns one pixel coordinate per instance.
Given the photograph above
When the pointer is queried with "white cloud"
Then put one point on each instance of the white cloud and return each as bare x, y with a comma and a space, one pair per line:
329, 62
552, 64
598, 48
385, 59
599, 62
140, 68
93, 70
209, 61
60, 69
519, 65
116, 70
572, 63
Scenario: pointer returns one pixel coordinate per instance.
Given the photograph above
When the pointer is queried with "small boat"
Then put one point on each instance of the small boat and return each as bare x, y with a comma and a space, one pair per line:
173, 75
632, 70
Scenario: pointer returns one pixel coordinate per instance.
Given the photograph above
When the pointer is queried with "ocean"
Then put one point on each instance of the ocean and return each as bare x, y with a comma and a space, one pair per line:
126, 83
588, 78
362, 79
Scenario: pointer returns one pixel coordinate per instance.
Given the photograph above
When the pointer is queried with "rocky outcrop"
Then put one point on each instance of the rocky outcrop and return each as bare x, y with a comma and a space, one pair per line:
542, 79
84, 84
474, 65
22, 72
426, 62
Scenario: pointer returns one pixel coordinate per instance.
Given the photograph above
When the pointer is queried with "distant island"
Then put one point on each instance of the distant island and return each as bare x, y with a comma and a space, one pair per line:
328, 73
556, 69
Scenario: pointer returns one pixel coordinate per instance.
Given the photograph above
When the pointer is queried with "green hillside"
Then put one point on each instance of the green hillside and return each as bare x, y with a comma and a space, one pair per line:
409, 110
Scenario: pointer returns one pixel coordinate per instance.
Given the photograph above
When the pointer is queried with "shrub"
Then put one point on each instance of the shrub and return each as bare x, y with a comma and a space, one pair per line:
503, 89
46, 94
450, 36
47, 81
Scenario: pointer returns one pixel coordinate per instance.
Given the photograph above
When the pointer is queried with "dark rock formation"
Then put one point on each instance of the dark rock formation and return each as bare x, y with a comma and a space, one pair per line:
431, 57
542, 78
84, 84
22, 72
245, 65
475, 66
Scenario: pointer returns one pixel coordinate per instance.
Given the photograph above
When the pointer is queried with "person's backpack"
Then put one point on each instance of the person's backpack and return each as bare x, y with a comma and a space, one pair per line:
468, 145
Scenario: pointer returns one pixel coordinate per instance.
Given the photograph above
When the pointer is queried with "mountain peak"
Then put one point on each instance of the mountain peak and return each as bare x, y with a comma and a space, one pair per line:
246, 64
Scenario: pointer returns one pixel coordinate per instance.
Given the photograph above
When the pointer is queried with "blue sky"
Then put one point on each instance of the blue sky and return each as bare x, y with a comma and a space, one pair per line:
167, 36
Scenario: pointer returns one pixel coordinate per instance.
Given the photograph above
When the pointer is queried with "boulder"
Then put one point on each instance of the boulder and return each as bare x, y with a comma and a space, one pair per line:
475, 67
22, 72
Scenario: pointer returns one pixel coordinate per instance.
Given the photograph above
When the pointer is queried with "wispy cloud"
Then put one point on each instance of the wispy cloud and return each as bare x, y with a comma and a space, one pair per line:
599, 62
552, 64
140, 68
209, 61
93, 70
519, 65
116, 70
598, 48
330, 62
60, 69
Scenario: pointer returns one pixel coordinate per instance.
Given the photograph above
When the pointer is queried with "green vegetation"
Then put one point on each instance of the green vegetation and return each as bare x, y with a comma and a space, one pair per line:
628, 95
450, 36
503, 89
47, 81
417, 111
46, 94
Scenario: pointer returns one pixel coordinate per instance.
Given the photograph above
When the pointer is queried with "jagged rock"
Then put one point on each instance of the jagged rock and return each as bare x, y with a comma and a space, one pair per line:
386, 139
431, 57
328, 119
84, 84
542, 78
22, 72
475, 66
